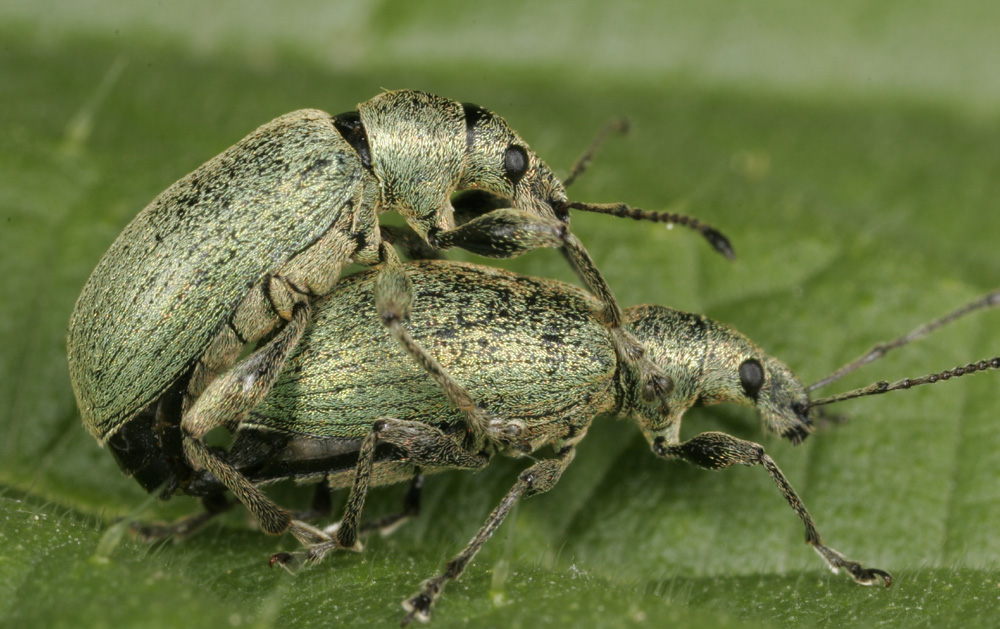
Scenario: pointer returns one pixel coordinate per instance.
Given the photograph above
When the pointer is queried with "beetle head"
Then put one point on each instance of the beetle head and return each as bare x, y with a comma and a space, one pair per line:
498, 161
713, 364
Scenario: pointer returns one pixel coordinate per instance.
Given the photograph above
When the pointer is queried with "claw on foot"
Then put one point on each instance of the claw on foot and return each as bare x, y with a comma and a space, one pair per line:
861, 575
312, 554
418, 607
292, 562
871, 576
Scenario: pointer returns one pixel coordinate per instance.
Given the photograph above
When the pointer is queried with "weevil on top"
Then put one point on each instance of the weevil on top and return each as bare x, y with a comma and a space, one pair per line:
237, 251
350, 410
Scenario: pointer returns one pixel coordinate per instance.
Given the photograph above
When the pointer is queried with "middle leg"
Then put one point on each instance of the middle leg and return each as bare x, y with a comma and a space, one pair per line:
537, 479
421, 444
393, 296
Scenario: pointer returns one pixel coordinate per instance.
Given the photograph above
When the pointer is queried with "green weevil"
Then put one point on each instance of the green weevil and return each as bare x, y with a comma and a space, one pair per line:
237, 250
349, 410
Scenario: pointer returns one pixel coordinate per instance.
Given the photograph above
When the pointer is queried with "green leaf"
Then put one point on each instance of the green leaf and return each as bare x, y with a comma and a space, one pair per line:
860, 203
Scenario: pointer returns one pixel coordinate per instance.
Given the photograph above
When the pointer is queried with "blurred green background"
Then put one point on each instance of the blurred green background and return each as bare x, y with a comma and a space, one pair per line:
849, 150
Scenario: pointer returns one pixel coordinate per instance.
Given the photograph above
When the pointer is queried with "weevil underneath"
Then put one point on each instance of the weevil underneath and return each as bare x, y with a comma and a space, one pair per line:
351, 411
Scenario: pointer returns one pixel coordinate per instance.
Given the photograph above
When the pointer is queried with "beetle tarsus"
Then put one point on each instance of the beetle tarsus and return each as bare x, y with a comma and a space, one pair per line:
419, 605
871, 576
857, 572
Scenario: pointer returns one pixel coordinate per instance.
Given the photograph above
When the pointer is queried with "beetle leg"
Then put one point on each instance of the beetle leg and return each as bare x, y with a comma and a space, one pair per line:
411, 509
214, 504
386, 525
322, 506
393, 296
421, 444
537, 479
716, 451
502, 233
226, 401
415, 247
656, 384
505, 233
267, 305
346, 534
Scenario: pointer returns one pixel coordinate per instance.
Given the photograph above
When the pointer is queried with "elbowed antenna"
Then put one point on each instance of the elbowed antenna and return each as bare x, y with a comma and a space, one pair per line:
883, 386
621, 125
986, 301
622, 210
615, 125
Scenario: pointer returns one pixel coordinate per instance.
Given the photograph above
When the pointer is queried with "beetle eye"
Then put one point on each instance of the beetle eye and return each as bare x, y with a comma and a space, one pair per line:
515, 163
751, 377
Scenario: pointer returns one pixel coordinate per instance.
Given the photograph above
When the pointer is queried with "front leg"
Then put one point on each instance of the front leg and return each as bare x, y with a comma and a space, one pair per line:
716, 451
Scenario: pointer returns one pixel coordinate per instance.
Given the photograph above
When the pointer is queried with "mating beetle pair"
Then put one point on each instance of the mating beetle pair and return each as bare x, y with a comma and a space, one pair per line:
350, 411
234, 253
238, 252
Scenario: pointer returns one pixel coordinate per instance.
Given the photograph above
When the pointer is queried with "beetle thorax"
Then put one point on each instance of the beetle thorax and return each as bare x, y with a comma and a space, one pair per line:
417, 144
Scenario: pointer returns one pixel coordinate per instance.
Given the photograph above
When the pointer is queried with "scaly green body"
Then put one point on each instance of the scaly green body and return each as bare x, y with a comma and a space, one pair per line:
528, 347
531, 349
350, 410
530, 358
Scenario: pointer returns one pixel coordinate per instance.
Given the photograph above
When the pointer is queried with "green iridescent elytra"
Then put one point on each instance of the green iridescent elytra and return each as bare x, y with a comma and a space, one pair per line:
177, 274
532, 350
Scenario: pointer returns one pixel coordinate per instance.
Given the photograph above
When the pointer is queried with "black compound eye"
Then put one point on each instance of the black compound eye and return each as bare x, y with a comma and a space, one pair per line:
515, 163
751, 377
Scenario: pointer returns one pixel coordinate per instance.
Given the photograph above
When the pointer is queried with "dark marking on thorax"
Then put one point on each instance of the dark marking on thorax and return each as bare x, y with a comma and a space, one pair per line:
353, 131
